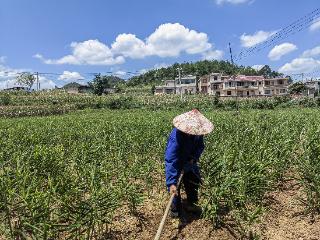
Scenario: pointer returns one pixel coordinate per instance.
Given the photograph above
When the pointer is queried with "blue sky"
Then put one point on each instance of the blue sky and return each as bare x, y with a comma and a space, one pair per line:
76, 37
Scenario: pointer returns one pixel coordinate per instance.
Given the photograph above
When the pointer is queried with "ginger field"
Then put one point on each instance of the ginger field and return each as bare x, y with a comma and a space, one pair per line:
69, 176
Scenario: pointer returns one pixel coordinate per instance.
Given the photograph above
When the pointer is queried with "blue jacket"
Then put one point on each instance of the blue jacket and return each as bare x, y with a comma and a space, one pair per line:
181, 148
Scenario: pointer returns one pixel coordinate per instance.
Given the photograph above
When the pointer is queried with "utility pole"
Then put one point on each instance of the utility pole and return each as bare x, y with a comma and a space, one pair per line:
38, 84
231, 53
234, 78
179, 70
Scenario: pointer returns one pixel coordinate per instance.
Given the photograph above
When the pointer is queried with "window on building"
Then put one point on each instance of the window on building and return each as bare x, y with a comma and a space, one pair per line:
282, 90
229, 93
187, 81
215, 87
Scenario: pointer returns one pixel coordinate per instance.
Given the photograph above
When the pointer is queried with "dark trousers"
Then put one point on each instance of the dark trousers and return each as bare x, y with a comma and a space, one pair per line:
191, 184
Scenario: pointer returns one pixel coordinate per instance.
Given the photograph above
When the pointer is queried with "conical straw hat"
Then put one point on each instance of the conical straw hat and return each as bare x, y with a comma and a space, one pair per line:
193, 123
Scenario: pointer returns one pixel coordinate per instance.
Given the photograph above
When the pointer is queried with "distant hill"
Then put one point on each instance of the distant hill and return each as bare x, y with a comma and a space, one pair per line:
200, 68
72, 85
113, 80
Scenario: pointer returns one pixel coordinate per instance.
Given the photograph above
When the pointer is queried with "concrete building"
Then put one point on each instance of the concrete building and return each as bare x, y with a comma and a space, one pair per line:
226, 86
313, 88
188, 86
169, 87
243, 86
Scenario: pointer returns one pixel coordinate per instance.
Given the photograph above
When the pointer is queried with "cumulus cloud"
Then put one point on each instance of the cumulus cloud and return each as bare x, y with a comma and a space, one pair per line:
168, 40
161, 65
8, 75
256, 38
90, 52
280, 50
70, 76
300, 65
257, 67
129, 45
220, 2
315, 25
311, 52
46, 83
120, 73
213, 55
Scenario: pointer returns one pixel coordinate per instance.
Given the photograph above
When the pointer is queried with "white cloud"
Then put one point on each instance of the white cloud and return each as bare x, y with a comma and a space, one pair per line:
168, 40
90, 52
220, 2
171, 39
8, 76
315, 25
213, 55
70, 76
258, 37
257, 67
311, 52
300, 65
120, 73
129, 45
280, 50
161, 65
45, 83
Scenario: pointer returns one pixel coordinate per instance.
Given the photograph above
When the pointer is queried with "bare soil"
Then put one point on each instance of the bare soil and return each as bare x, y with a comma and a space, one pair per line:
284, 219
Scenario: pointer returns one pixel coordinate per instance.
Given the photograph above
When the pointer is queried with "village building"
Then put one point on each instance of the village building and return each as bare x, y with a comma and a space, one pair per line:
17, 88
226, 86
188, 86
312, 88
242, 86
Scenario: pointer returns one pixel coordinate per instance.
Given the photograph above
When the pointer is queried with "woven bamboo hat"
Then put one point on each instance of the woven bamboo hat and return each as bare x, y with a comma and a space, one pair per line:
193, 123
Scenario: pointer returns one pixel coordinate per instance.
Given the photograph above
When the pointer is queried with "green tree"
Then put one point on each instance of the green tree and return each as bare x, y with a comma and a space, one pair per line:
27, 79
297, 88
100, 83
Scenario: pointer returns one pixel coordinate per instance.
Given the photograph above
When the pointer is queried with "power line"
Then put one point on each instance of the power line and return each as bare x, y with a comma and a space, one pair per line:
285, 32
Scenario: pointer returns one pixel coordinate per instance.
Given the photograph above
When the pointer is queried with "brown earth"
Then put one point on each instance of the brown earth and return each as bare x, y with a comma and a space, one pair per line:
284, 219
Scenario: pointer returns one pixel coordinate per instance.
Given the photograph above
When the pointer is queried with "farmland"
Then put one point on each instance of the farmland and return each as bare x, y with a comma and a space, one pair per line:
69, 176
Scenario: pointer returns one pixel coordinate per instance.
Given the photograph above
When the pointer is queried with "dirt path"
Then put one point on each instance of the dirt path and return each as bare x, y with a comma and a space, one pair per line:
285, 220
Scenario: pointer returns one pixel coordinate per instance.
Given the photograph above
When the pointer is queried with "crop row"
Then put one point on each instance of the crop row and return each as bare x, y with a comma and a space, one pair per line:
66, 176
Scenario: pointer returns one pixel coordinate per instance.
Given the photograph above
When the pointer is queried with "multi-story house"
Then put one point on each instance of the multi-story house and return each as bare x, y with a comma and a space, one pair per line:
227, 86
169, 87
188, 86
243, 86
312, 88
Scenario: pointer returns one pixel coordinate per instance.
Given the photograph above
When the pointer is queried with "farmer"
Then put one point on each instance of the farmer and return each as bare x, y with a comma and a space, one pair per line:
184, 148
